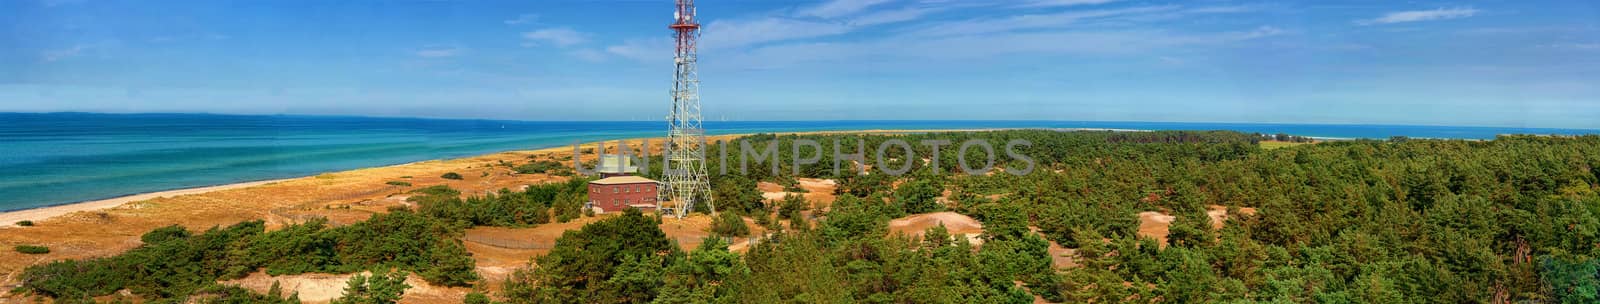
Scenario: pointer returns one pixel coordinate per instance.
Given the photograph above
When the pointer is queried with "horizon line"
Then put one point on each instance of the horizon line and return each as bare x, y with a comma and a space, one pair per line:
1596, 129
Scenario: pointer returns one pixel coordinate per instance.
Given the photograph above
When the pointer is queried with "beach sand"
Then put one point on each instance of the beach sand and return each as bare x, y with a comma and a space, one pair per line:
11, 218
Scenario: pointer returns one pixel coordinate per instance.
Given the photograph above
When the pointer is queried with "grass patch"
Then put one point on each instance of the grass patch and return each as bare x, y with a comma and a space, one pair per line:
25, 223
1273, 144
451, 175
32, 249
399, 183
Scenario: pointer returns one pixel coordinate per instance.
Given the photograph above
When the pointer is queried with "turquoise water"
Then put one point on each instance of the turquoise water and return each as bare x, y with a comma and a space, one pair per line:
58, 158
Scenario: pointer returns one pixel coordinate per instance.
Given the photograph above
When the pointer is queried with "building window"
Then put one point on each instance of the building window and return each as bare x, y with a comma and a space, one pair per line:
614, 189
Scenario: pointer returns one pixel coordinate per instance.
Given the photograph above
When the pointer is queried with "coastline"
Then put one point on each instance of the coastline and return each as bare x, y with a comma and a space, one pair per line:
10, 218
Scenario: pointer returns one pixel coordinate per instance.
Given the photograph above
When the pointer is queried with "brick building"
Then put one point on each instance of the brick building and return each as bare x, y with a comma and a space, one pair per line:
620, 192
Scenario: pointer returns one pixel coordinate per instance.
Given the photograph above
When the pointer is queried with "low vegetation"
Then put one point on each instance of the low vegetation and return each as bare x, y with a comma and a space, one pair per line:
32, 249
544, 166
379, 288
451, 175
175, 264
728, 224
1516, 219
506, 208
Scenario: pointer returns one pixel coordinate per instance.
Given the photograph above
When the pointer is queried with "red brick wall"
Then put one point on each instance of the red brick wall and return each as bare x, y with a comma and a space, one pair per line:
619, 196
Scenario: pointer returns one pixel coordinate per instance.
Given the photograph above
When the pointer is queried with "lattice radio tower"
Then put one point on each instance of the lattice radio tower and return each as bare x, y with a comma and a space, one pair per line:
686, 146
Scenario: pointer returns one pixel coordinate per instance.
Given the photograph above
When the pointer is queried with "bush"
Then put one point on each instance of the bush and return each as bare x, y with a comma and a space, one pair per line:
375, 289
791, 206
476, 298
451, 175
174, 265
543, 166
164, 234
25, 223
729, 224
919, 196
399, 183
32, 249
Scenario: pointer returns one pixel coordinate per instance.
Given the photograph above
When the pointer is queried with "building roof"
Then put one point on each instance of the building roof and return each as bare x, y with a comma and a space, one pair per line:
618, 180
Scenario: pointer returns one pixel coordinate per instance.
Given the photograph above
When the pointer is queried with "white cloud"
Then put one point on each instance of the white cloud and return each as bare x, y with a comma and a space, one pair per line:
523, 19
77, 50
1059, 3
559, 36
891, 16
643, 49
1592, 46
53, 55
978, 47
839, 8
439, 52
590, 55
1423, 15
738, 33
1029, 22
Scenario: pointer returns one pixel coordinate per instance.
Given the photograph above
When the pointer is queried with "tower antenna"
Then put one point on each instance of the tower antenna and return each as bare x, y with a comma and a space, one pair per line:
685, 149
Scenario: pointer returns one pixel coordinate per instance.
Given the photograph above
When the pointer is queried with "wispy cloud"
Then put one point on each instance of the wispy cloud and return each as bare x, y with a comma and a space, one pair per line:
722, 34
1422, 15
560, 36
643, 49
53, 55
839, 8
1591, 46
1110, 42
75, 50
590, 55
1027, 22
439, 51
1058, 3
892, 16
523, 19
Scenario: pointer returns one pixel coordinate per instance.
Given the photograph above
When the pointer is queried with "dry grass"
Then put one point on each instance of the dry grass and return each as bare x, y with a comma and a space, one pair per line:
1273, 144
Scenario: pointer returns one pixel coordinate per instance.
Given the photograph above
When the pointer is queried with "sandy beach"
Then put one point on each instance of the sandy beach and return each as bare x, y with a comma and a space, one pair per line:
10, 218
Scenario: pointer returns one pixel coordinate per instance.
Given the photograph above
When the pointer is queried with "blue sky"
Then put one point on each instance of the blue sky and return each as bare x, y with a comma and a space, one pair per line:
1492, 63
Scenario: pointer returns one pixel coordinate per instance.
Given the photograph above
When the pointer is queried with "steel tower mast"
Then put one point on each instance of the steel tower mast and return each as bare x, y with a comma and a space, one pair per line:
686, 146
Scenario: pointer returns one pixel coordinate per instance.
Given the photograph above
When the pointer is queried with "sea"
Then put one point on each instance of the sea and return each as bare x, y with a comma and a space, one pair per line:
60, 158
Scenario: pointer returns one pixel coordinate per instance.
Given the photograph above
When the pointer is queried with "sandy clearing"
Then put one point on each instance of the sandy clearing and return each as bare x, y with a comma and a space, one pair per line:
819, 191
1155, 224
323, 288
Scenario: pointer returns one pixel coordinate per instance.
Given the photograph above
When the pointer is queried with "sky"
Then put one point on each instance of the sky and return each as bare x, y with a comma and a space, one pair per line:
1489, 63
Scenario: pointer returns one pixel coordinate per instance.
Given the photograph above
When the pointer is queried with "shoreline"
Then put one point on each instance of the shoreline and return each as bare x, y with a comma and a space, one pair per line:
9, 219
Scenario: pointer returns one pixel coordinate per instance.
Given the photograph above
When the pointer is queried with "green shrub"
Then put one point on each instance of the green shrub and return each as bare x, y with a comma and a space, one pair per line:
476, 298
791, 206
32, 249
174, 265
451, 175
25, 223
399, 183
173, 232
543, 166
729, 224
374, 289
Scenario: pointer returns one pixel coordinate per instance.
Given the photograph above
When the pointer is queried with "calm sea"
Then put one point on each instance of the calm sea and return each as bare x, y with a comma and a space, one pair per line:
58, 158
